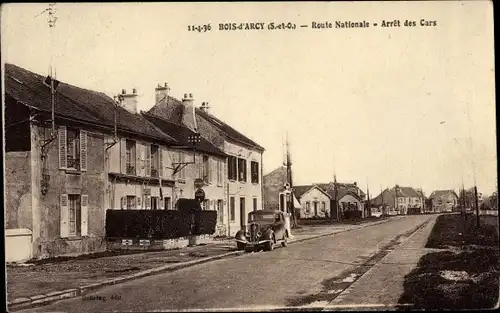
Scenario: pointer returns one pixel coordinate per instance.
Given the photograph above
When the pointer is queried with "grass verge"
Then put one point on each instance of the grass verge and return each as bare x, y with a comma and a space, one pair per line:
466, 278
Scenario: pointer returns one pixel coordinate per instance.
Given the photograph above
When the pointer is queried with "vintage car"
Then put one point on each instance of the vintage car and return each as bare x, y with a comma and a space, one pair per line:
265, 229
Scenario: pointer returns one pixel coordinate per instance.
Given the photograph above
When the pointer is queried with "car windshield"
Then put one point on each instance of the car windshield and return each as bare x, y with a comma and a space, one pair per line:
261, 217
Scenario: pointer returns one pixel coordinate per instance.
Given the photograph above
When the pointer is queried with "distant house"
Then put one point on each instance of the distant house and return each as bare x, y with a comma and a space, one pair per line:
443, 200
348, 195
315, 201
400, 200
273, 190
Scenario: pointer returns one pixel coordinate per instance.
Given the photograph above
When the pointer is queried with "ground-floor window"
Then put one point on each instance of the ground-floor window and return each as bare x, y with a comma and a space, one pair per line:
155, 203
74, 215
220, 211
255, 204
130, 203
205, 205
167, 203
232, 208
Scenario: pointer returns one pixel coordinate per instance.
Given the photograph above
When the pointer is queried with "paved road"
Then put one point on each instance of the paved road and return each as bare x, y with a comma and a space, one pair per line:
301, 274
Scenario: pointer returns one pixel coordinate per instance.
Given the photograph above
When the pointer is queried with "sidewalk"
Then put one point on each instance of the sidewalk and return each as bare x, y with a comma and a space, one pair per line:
382, 285
32, 284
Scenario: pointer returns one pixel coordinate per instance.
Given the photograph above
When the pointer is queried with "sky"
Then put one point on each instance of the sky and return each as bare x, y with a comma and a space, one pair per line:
379, 106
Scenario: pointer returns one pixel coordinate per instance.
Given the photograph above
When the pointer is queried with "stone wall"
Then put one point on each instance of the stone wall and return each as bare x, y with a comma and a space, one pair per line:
18, 190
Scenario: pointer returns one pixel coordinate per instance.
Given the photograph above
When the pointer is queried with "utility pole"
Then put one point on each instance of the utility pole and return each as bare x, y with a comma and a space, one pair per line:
289, 179
368, 199
335, 190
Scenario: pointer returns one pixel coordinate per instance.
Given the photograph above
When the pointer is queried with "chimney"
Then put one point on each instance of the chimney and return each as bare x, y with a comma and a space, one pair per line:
161, 93
188, 114
129, 102
205, 107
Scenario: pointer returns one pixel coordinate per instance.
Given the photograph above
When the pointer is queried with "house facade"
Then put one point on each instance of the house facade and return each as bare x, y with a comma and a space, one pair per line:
98, 155
58, 205
275, 193
443, 200
315, 202
242, 170
344, 197
400, 200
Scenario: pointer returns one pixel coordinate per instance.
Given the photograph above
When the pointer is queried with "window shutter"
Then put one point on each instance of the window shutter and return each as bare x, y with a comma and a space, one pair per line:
148, 160
123, 156
63, 161
160, 156
210, 165
64, 231
83, 151
141, 156
85, 215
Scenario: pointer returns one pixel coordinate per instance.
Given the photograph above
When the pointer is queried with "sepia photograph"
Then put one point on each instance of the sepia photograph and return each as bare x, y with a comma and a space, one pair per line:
249, 156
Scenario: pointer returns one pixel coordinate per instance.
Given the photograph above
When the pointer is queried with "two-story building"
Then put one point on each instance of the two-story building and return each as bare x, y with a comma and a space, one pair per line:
242, 170
64, 167
443, 200
400, 200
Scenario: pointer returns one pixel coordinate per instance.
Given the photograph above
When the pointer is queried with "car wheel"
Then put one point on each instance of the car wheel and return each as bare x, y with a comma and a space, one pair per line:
241, 245
270, 244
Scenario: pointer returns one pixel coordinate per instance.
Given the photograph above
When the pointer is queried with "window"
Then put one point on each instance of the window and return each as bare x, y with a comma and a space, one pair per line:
74, 215
242, 170
254, 167
308, 208
232, 171
130, 157
72, 153
282, 202
155, 203
167, 203
323, 206
220, 211
232, 204
207, 173
72, 149
205, 205
130, 203
255, 204
155, 161
220, 171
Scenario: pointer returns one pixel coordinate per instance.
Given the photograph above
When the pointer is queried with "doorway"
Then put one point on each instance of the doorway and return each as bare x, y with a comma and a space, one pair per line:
242, 213
315, 208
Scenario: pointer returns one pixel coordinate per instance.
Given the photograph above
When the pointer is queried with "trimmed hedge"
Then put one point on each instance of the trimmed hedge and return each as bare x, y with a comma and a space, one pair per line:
159, 224
352, 214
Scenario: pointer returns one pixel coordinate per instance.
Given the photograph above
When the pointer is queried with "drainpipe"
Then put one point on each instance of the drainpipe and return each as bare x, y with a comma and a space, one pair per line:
261, 181
228, 212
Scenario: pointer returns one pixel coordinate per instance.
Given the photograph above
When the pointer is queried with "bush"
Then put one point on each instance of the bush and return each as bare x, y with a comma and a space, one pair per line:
350, 215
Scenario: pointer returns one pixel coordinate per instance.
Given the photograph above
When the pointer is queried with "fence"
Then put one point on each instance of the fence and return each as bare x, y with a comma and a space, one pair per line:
159, 224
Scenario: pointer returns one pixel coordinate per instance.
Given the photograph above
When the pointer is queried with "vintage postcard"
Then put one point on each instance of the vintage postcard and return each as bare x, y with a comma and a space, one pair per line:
250, 156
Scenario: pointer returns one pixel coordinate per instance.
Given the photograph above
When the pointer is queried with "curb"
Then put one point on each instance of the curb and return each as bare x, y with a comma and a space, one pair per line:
45, 299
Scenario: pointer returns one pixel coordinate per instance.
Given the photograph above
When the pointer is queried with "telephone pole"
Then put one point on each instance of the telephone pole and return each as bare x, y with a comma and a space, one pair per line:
291, 208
